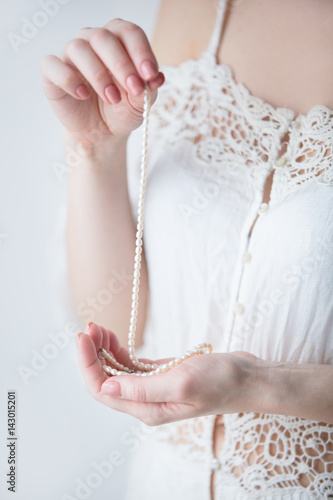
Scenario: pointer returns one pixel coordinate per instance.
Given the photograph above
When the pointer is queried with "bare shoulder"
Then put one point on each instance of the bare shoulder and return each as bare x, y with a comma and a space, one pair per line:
183, 29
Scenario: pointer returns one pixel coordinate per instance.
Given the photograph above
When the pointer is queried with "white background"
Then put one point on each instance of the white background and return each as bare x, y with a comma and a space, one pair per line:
61, 430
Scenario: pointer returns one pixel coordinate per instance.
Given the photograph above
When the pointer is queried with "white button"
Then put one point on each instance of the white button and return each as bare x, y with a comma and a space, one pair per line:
281, 161
263, 207
215, 464
239, 308
246, 257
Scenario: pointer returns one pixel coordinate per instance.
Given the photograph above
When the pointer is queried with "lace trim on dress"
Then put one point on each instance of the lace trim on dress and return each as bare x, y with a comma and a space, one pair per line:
188, 436
277, 451
309, 154
201, 103
262, 452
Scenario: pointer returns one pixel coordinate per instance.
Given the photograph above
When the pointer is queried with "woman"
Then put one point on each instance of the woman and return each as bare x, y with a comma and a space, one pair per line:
237, 243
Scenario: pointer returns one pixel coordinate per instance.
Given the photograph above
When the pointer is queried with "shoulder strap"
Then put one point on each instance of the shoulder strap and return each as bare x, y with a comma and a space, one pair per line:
217, 31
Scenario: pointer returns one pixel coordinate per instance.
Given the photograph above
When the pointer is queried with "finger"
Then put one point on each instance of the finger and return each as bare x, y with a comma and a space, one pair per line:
152, 413
97, 335
113, 54
106, 339
137, 46
157, 82
60, 78
118, 61
120, 353
155, 389
90, 365
79, 53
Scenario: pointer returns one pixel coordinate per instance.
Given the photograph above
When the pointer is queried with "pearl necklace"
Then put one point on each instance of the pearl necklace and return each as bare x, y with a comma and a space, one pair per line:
143, 369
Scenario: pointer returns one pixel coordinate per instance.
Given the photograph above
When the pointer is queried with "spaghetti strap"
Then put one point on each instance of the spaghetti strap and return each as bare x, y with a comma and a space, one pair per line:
217, 31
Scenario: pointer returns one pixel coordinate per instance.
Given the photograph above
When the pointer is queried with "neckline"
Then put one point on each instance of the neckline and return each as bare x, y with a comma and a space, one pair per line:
226, 68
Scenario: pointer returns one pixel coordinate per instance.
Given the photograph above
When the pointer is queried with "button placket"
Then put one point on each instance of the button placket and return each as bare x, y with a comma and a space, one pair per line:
239, 307
245, 258
261, 211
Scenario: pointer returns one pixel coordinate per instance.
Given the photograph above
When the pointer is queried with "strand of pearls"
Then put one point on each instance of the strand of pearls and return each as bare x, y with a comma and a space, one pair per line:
143, 369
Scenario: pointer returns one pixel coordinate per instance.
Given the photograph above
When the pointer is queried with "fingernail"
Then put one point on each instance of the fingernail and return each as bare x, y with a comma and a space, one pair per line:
134, 84
82, 91
112, 94
88, 326
148, 69
111, 388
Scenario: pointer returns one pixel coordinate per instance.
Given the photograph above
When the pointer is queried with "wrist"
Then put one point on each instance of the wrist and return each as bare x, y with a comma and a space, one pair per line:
94, 146
108, 154
262, 387
272, 388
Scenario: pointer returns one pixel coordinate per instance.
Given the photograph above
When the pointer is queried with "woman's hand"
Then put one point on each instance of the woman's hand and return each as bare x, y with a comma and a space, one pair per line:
97, 84
204, 385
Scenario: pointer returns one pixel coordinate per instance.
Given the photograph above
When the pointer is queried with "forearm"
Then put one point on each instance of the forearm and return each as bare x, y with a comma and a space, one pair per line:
304, 391
101, 237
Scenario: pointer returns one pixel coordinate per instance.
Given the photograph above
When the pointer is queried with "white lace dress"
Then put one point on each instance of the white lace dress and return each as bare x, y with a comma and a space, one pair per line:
211, 147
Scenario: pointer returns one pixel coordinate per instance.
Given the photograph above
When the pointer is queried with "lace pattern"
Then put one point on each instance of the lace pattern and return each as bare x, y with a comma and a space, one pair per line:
262, 452
277, 451
190, 437
231, 129
309, 154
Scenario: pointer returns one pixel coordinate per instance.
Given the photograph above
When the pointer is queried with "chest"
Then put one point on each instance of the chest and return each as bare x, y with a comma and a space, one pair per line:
282, 51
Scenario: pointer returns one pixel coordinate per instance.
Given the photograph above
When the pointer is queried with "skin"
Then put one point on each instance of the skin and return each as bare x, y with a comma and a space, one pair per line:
270, 46
205, 385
